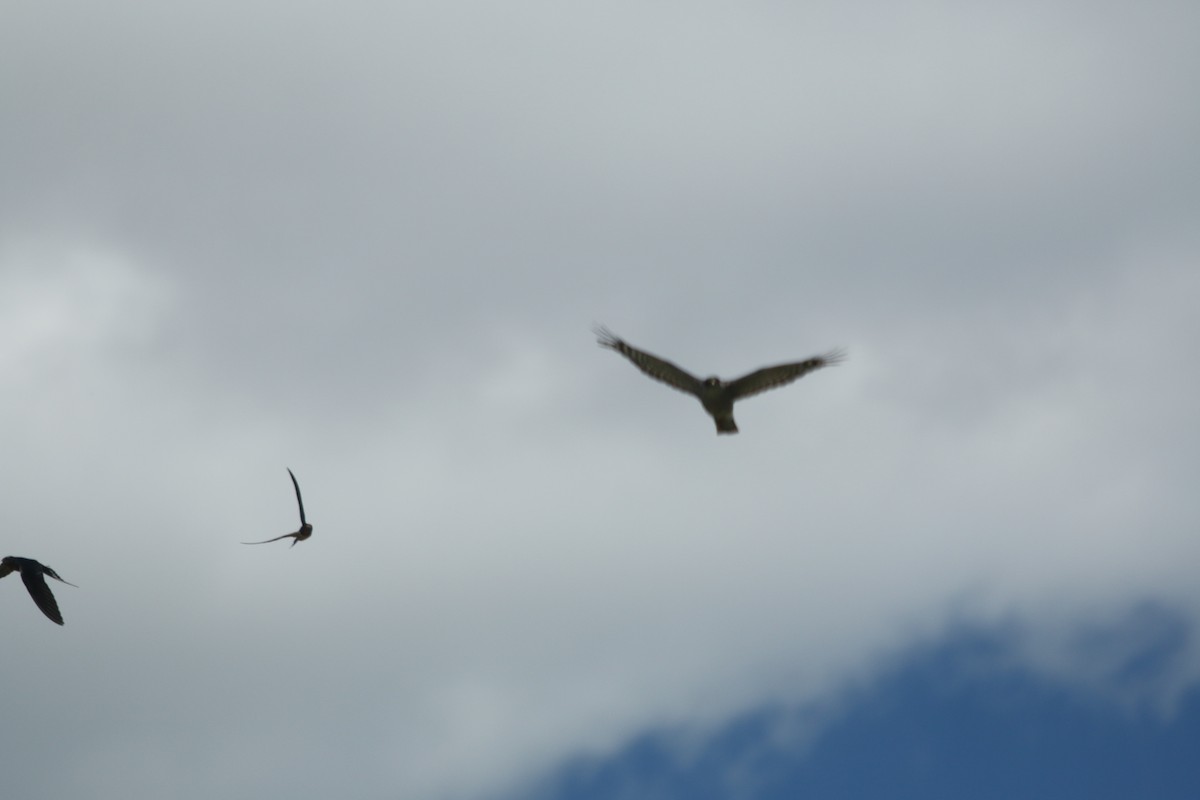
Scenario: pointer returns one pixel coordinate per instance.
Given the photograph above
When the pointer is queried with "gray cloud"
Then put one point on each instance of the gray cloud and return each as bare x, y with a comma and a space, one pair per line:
369, 244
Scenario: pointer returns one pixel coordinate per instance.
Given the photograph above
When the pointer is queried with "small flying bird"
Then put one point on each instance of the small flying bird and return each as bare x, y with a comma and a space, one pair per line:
715, 395
33, 574
305, 529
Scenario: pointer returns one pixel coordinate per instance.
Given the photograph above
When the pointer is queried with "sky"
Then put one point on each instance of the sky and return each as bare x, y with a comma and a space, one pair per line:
369, 242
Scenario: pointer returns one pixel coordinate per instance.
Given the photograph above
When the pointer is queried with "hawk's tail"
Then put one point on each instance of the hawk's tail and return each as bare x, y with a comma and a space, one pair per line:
726, 425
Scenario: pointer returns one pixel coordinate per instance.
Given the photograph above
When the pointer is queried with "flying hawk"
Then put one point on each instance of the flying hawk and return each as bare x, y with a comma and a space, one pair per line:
305, 529
34, 576
717, 396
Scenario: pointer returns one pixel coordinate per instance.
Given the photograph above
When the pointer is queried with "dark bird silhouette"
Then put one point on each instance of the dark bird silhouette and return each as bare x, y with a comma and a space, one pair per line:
715, 395
33, 574
305, 529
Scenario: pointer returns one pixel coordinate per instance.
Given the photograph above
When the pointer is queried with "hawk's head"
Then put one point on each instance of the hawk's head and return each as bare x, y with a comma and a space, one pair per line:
713, 382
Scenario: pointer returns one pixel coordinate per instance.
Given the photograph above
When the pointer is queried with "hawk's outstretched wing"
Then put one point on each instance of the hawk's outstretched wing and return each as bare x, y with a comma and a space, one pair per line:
652, 365
770, 377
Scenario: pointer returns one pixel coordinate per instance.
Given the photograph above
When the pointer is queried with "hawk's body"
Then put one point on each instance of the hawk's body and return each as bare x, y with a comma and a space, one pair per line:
717, 396
33, 575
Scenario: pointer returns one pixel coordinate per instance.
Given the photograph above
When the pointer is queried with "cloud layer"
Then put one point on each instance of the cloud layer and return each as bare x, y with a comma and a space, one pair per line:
369, 244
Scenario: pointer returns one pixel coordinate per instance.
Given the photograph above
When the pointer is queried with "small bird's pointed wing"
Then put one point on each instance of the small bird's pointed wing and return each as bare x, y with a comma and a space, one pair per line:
299, 501
652, 365
41, 594
276, 539
770, 377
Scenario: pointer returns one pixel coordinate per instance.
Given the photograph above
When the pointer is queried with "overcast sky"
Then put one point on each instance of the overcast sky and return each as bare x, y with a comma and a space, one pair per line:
368, 242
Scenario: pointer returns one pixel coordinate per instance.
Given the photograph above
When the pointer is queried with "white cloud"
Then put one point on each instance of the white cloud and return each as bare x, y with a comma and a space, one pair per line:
74, 302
